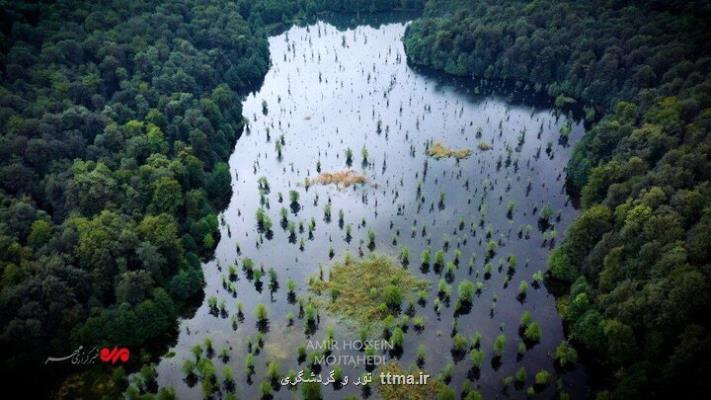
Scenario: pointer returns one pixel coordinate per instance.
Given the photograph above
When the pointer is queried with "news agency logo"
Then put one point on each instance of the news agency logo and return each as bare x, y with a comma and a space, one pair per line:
82, 356
115, 354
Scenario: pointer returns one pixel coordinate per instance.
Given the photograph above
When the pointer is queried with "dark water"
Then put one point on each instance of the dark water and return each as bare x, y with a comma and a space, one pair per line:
325, 92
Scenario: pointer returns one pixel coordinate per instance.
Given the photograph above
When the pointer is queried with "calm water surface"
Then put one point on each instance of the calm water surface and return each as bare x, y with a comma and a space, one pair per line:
329, 90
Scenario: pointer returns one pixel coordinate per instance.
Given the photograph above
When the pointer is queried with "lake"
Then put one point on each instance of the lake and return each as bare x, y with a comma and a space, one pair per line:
330, 89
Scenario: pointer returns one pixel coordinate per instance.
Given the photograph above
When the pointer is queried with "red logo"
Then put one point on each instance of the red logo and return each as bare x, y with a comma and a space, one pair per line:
115, 354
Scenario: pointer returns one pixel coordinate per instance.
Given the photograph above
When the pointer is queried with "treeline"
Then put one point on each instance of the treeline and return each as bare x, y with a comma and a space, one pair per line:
635, 263
262, 13
117, 118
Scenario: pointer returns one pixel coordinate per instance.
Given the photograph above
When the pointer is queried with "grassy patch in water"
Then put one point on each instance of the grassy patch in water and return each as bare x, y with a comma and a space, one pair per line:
343, 178
438, 150
484, 146
367, 290
427, 391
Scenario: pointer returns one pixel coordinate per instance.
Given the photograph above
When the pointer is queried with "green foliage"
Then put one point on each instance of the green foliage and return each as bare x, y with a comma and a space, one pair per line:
405, 255
446, 393
565, 355
272, 371
499, 345
521, 375
117, 121
397, 338
425, 257
523, 288
477, 357
369, 290
460, 343
466, 291
526, 318
311, 391
473, 395
260, 312
642, 239
265, 388
542, 377
293, 197
533, 332
392, 296
421, 353
439, 258
120, 125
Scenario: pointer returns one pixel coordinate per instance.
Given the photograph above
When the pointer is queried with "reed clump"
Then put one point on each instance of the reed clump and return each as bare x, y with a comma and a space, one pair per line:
438, 150
343, 178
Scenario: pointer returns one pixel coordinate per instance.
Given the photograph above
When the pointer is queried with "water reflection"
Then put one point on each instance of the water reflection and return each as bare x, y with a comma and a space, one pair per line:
346, 99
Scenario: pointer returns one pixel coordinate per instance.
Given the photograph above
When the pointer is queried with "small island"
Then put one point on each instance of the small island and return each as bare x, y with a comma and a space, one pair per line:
438, 151
343, 178
368, 290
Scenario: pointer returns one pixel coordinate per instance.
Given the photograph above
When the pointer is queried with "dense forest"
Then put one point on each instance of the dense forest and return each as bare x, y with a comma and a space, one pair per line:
634, 267
117, 119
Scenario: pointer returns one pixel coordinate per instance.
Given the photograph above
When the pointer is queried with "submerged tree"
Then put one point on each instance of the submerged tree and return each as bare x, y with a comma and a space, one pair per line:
349, 157
260, 312
499, 345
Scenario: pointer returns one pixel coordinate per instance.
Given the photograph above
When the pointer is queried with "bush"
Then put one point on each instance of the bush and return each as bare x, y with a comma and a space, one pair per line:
260, 312
533, 332
477, 357
543, 377
499, 345
392, 295
565, 355
460, 343
466, 291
